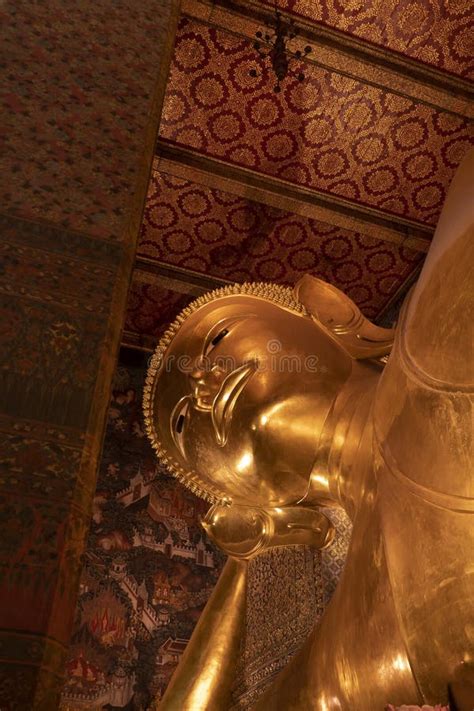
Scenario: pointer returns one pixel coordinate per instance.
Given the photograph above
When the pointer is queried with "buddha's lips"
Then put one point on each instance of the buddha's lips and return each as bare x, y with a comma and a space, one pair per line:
224, 402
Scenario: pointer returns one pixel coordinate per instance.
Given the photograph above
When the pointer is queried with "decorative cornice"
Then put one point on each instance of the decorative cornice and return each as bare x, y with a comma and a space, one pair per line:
138, 341
213, 173
167, 276
347, 55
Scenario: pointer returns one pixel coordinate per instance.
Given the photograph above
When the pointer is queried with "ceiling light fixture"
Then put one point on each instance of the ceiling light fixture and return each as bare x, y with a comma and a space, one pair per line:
277, 48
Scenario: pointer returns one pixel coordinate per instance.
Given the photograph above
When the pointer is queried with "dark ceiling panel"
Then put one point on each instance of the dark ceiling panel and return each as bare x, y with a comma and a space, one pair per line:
150, 309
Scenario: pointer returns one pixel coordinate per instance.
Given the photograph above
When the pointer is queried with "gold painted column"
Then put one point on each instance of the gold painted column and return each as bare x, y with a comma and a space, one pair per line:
83, 88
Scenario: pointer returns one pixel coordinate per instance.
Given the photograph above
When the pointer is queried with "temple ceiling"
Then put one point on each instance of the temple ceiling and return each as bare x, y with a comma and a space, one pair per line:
342, 175
431, 31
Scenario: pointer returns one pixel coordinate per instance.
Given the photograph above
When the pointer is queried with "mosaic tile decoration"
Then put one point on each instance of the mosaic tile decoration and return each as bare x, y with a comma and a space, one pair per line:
281, 616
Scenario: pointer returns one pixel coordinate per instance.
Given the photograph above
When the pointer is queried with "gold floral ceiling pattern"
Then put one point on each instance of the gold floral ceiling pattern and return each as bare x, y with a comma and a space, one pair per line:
437, 32
330, 133
210, 231
336, 137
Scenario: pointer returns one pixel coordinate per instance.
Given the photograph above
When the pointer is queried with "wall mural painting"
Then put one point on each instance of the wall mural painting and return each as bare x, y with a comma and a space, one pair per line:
148, 569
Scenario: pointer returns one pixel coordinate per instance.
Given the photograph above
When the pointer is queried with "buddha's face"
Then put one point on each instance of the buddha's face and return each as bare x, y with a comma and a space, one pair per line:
242, 396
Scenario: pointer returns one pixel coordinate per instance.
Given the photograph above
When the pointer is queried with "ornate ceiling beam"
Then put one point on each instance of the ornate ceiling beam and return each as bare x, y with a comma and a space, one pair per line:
138, 341
242, 182
346, 55
168, 276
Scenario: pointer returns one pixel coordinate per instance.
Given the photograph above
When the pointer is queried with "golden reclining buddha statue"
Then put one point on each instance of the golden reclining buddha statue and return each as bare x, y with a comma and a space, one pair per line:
275, 404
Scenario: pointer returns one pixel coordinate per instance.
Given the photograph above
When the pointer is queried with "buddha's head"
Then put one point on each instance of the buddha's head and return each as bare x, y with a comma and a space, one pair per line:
241, 384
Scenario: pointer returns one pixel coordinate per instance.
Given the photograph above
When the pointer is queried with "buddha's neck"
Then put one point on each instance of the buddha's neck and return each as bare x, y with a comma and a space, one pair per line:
341, 474
350, 456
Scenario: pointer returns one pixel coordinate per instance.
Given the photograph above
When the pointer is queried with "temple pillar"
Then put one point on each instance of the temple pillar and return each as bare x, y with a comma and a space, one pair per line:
84, 84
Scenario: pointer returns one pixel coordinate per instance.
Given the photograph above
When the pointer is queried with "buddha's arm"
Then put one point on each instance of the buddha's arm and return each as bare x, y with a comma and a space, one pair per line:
437, 329
204, 677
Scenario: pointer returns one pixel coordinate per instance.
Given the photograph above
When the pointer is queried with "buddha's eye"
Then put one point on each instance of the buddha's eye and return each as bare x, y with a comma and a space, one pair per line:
180, 424
222, 329
219, 336
212, 343
178, 421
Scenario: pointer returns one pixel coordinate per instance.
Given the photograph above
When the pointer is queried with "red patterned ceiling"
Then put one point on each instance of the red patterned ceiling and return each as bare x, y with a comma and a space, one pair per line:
437, 32
212, 232
330, 133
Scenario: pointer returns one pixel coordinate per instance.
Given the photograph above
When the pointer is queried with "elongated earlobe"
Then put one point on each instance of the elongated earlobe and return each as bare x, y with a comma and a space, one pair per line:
338, 314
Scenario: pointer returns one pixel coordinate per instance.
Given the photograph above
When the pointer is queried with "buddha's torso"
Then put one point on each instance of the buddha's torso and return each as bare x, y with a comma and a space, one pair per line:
396, 629
359, 638
423, 465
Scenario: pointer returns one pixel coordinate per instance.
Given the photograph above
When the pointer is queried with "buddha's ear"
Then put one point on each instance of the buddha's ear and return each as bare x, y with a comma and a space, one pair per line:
339, 315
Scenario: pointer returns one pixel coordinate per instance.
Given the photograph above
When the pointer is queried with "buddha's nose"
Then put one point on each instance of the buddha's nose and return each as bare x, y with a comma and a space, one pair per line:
205, 385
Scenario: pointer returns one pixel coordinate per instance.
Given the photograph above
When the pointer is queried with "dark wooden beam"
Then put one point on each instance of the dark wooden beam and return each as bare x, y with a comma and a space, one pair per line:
178, 279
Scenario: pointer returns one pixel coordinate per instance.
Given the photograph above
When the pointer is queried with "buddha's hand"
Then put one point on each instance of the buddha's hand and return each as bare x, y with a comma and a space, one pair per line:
243, 531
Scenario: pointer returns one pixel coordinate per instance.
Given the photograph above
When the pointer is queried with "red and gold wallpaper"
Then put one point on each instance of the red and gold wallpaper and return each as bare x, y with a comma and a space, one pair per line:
212, 232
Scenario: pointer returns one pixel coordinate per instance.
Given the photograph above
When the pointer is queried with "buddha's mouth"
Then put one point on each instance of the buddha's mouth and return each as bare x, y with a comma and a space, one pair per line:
226, 398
